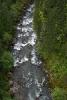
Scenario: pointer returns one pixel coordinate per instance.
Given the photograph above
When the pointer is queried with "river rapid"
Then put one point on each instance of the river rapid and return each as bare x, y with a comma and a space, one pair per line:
29, 81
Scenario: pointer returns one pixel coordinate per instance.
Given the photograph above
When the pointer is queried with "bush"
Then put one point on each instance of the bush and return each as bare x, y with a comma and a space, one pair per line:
50, 24
7, 60
7, 38
59, 94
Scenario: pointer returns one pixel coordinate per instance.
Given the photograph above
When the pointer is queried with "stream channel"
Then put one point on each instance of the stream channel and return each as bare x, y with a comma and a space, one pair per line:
29, 81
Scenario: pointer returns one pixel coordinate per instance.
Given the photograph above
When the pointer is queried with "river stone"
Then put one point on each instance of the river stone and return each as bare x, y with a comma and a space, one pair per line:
13, 90
11, 83
9, 75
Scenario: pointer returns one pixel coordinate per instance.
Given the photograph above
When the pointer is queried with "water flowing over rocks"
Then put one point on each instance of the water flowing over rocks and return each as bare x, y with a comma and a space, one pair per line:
29, 82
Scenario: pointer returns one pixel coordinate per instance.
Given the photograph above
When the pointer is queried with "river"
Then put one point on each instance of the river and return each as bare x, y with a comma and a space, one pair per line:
29, 81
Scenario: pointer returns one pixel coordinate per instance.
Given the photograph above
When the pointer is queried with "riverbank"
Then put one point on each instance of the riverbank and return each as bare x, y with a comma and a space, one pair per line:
49, 24
9, 17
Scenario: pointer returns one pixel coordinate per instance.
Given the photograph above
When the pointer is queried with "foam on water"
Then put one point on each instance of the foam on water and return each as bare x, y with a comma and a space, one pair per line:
16, 61
27, 21
24, 29
20, 61
25, 59
26, 34
19, 45
28, 64
32, 39
18, 28
34, 59
30, 97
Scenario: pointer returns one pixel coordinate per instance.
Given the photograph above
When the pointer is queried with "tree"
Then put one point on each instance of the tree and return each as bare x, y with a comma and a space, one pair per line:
6, 60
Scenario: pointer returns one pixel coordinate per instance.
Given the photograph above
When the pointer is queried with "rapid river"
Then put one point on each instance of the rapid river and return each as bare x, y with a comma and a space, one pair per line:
29, 81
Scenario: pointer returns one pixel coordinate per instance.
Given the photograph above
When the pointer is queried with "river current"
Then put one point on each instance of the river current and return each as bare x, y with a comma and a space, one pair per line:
30, 83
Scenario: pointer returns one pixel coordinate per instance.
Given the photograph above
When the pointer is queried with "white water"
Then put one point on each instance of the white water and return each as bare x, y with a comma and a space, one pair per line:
28, 74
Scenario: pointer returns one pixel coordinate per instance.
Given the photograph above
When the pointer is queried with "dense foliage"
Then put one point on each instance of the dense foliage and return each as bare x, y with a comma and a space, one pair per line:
50, 23
9, 14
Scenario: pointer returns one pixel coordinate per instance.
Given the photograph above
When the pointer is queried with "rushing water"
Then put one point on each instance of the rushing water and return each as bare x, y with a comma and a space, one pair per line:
30, 83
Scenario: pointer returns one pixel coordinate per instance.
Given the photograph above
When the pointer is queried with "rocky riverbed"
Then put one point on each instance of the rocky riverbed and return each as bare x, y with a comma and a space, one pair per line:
28, 80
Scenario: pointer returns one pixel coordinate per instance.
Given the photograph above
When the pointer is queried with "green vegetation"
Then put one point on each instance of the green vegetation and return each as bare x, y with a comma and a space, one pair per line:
50, 24
9, 15
59, 94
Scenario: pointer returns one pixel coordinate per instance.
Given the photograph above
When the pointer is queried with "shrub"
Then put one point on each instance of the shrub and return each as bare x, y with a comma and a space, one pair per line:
7, 60
59, 94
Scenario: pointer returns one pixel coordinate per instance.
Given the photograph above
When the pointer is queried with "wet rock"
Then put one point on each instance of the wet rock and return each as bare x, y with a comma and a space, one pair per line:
40, 94
13, 90
9, 75
37, 98
11, 83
